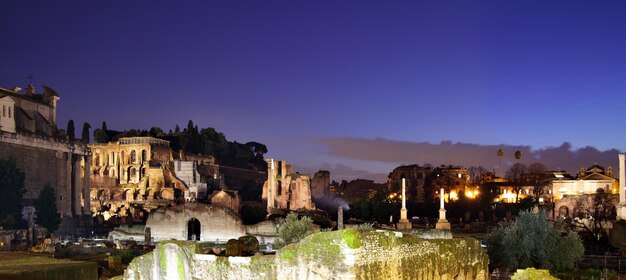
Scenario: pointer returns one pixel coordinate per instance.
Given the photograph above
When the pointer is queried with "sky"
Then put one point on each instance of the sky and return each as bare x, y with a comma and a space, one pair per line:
355, 87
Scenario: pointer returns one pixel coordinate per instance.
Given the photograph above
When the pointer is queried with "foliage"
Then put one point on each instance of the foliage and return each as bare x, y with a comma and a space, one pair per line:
377, 208
12, 189
206, 141
365, 227
100, 134
531, 273
253, 214
70, 131
85, 134
532, 241
293, 229
46, 209
595, 220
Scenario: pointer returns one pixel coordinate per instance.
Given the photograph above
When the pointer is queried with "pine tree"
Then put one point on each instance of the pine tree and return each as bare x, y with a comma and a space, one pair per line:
46, 209
70, 130
12, 189
85, 135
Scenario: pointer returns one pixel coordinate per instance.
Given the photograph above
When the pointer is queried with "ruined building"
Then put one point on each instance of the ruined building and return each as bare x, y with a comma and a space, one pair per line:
29, 134
415, 177
320, 184
141, 172
284, 189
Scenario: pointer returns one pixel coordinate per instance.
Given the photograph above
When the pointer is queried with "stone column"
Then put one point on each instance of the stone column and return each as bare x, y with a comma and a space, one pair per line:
271, 184
340, 218
442, 223
77, 187
621, 207
622, 180
404, 222
87, 188
66, 204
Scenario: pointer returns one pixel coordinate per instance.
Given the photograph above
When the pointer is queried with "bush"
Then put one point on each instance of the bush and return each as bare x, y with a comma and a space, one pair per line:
532, 241
293, 229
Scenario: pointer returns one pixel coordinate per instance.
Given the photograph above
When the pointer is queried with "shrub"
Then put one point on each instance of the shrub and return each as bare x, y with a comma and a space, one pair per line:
293, 229
532, 241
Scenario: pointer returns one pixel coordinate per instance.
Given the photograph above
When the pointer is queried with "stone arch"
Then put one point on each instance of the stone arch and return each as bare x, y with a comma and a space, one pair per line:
193, 229
112, 158
144, 156
123, 157
133, 156
132, 173
129, 195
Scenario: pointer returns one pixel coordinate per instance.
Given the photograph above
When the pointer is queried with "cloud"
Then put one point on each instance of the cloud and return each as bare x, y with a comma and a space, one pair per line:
403, 152
340, 172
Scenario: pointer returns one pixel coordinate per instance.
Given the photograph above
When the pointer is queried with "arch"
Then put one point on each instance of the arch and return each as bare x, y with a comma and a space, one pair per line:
133, 156
144, 156
563, 211
123, 157
133, 173
193, 229
112, 159
129, 195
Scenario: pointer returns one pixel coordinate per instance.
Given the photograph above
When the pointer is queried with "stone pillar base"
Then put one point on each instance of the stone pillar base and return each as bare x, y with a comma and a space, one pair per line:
621, 212
404, 224
442, 224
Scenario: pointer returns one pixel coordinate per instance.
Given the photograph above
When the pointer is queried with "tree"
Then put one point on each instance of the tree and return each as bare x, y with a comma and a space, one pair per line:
536, 177
100, 135
593, 219
532, 241
12, 189
46, 209
514, 174
85, 135
500, 154
71, 131
293, 229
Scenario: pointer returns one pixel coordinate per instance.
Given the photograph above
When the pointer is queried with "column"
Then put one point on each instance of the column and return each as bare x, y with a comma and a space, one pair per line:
87, 184
77, 187
622, 180
441, 196
403, 211
66, 203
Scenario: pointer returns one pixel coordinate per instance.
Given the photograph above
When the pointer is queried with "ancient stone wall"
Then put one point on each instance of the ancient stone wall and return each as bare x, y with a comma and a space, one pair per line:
48, 161
215, 222
320, 184
345, 254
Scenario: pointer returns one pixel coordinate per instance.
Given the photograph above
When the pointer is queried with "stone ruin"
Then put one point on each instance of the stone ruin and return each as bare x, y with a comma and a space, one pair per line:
344, 254
286, 190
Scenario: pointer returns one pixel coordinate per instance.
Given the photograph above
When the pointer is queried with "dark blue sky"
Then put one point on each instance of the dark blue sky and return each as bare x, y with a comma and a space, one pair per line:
297, 75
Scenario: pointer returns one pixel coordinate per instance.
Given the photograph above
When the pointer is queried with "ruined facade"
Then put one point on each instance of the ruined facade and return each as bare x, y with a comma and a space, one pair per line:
320, 184
415, 177
29, 134
286, 190
142, 172
227, 199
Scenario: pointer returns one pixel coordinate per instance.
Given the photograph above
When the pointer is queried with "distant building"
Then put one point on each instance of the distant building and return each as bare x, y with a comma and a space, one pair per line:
187, 171
453, 179
29, 134
286, 190
415, 179
587, 181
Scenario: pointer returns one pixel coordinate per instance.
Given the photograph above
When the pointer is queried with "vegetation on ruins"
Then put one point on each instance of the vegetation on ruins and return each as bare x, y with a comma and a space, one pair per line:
533, 241
46, 209
192, 140
12, 189
293, 229
377, 208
